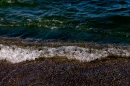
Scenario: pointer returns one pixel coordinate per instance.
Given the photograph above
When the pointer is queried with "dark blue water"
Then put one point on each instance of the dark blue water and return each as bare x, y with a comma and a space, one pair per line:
106, 21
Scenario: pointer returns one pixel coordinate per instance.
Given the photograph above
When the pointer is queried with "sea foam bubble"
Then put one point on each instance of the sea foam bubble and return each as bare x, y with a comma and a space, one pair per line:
16, 54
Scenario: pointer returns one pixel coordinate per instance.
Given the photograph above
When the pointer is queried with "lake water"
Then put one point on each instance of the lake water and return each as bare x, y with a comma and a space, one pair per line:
97, 21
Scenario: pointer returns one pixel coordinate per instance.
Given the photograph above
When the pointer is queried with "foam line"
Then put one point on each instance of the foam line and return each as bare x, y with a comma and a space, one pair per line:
16, 54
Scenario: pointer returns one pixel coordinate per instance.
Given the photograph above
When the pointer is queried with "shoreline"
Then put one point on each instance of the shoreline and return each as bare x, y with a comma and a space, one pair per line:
55, 43
109, 71
20, 50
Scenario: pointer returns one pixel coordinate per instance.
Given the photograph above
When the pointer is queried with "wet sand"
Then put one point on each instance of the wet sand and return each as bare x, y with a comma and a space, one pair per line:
64, 72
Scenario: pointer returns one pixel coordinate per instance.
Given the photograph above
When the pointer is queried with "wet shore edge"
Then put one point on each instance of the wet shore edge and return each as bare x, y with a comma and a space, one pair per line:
62, 71
39, 44
55, 43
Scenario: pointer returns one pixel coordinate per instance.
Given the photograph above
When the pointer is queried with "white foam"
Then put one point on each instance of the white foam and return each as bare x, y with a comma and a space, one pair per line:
15, 54
9, 1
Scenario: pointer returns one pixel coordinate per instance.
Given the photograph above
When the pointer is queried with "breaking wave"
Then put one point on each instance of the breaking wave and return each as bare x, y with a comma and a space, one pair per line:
17, 54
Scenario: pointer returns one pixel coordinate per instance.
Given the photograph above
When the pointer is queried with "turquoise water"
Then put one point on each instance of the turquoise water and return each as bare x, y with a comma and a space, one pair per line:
105, 21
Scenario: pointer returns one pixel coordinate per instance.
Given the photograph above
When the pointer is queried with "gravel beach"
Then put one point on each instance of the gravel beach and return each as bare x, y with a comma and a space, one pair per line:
63, 72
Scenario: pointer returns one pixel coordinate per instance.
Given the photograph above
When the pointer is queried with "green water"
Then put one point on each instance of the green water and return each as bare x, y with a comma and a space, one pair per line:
79, 20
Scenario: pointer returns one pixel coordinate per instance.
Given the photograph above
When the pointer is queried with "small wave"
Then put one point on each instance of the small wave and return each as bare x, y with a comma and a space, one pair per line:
17, 54
80, 20
6, 3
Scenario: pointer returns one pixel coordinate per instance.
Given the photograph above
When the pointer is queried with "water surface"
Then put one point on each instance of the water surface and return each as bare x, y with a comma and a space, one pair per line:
94, 21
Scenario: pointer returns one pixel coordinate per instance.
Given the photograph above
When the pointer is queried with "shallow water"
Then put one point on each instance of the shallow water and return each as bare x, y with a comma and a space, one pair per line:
80, 20
56, 25
16, 50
